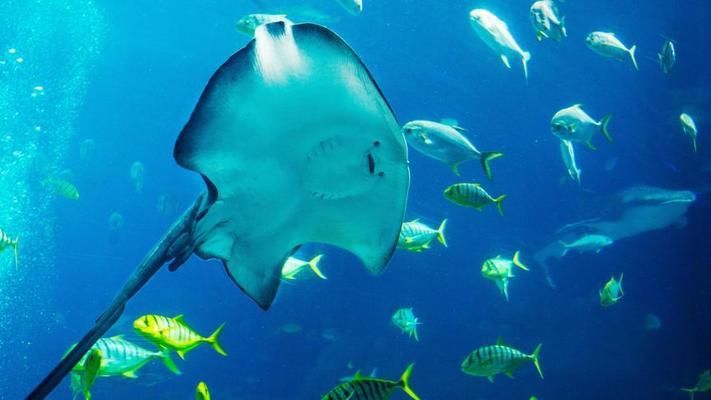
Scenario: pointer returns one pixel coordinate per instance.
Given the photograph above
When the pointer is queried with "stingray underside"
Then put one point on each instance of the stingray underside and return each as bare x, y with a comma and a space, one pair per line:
297, 145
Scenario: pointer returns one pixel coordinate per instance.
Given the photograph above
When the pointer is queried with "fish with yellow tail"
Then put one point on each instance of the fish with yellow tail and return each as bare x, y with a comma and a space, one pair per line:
689, 127
573, 124
175, 334
6, 242
500, 270
62, 187
489, 361
404, 318
367, 388
473, 195
416, 236
295, 267
608, 45
92, 365
703, 385
202, 392
612, 292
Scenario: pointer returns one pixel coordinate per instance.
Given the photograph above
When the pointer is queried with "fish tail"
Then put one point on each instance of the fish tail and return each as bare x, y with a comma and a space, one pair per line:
485, 158
619, 282
566, 246
405, 383
168, 361
500, 203
690, 391
634, 60
440, 233
213, 340
603, 126
525, 57
313, 264
534, 358
517, 261
14, 246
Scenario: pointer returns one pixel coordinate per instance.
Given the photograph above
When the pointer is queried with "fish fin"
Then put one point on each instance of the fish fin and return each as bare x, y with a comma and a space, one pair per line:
534, 358
168, 361
180, 319
566, 246
357, 376
517, 261
130, 374
562, 27
440, 232
634, 60
182, 353
490, 378
213, 340
458, 128
525, 57
505, 60
17, 239
690, 391
603, 126
500, 341
117, 336
590, 145
500, 203
405, 383
485, 158
509, 373
540, 35
455, 168
313, 264
693, 140
503, 286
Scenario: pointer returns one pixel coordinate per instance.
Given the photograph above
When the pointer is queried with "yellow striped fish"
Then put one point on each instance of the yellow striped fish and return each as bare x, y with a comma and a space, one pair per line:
473, 195
416, 236
6, 242
489, 361
366, 388
175, 334
500, 270
63, 188
293, 267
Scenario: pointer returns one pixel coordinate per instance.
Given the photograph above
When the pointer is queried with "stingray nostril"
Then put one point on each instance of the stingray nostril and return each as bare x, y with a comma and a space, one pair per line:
371, 164
381, 174
376, 143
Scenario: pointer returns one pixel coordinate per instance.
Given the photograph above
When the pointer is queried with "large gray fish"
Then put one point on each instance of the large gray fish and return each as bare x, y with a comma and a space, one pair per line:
446, 143
547, 21
608, 45
575, 125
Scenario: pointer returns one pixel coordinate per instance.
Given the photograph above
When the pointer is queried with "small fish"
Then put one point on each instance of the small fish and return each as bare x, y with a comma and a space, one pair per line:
355, 7
606, 44
567, 152
612, 292
587, 243
416, 236
291, 328
547, 21
6, 242
500, 270
667, 56
689, 127
92, 364
365, 388
249, 23
575, 125
294, 267
175, 334
652, 322
473, 195
495, 34
446, 143
405, 319
116, 221
488, 361
703, 384
138, 175
202, 392
63, 188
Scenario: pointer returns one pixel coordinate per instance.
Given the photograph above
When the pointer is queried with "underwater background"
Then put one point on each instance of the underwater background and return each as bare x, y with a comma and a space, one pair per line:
119, 80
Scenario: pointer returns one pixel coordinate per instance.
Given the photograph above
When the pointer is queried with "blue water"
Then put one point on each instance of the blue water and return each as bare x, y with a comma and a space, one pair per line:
128, 74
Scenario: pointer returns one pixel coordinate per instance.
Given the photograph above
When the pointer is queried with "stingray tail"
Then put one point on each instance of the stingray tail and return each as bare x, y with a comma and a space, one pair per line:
500, 203
313, 264
485, 158
440, 232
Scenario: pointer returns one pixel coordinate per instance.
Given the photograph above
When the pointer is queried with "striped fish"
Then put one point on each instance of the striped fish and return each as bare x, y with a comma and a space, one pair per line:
472, 195
489, 361
293, 267
63, 188
366, 388
175, 334
416, 236
500, 270
6, 242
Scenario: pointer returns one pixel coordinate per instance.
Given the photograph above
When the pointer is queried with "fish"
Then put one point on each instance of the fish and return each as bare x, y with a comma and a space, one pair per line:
489, 361
291, 328
6, 242
415, 236
92, 364
266, 194
119, 357
702, 385
249, 23
689, 127
116, 221
373, 374
138, 175
567, 152
355, 7
500, 270
202, 392
366, 388
405, 319
495, 34
611, 292
667, 56
652, 322
546, 21
446, 143
293, 267
473, 195
608, 45
62, 187
587, 243
575, 125
175, 334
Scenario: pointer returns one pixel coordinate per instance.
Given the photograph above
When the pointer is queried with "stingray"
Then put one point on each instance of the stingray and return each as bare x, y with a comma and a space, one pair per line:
296, 144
